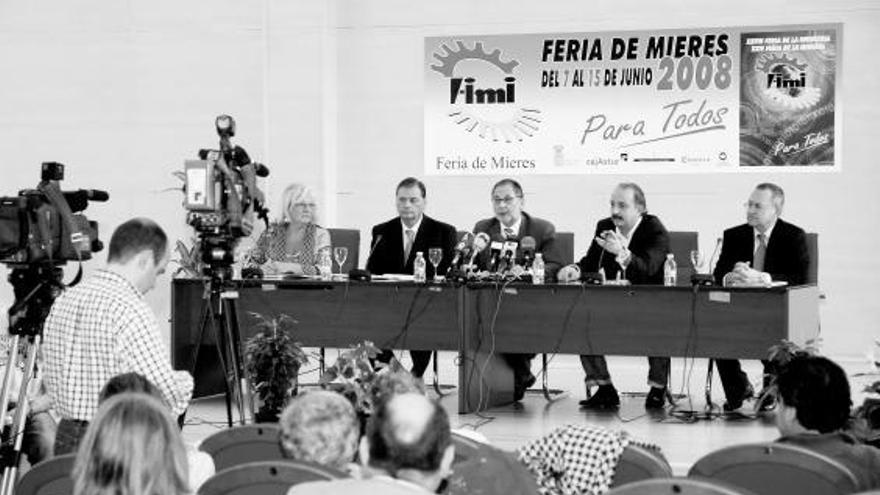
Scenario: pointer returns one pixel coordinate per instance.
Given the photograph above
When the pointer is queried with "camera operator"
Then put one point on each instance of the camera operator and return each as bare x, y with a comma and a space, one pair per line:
103, 327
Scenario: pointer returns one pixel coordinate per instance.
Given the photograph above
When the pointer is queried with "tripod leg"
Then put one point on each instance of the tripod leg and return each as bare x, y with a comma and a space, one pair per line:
709, 374
239, 378
215, 319
12, 451
7, 377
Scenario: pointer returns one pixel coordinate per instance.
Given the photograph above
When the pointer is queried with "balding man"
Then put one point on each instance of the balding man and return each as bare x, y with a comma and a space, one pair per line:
406, 450
765, 248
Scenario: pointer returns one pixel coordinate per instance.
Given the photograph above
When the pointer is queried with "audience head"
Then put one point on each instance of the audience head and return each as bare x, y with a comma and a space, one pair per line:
298, 204
132, 447
507, 201
814, 395
128, 382
139, 251
387, 385
764, 205
321, 427
408, 437
411, 200
627, 205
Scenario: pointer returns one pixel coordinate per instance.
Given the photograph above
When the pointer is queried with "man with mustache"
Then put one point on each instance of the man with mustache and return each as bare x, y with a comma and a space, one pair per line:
764, 248
633, 244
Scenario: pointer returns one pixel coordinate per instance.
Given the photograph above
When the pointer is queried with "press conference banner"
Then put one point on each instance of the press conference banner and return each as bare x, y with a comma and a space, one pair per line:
668, 101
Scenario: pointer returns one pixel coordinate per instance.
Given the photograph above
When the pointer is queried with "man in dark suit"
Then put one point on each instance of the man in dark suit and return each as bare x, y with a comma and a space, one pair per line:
633, 245
396, 242
764, 248
510, 223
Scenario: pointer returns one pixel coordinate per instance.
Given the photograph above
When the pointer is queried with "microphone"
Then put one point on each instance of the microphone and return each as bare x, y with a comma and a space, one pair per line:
364, 275
79, 200
481, 240
461, 250
495, 247
507, 258
528, 245
597, 277
260, 169
707, 278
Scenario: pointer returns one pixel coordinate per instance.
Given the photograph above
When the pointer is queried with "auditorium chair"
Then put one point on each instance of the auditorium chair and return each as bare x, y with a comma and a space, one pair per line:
465, 448
50, 477
681, 243
678, 486
266, 477
776, 469
242, 444
639, 463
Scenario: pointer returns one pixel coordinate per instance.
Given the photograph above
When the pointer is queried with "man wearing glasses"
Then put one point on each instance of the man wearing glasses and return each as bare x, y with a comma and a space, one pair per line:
632, 245
511, 223
765, 248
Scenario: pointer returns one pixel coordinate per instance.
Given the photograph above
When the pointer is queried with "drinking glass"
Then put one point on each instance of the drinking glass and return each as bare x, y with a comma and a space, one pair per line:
340, 253
435, 255
696, 260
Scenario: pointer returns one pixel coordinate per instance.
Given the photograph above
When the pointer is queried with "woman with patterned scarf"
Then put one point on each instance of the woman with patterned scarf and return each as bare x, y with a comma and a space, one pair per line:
293, 245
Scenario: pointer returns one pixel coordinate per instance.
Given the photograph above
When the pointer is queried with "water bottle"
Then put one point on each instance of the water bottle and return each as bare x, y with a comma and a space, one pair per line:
419, 267
325, 265
538, 269
670, 271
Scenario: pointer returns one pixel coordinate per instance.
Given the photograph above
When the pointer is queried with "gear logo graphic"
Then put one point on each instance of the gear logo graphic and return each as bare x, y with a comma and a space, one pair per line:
482, 93
786, 82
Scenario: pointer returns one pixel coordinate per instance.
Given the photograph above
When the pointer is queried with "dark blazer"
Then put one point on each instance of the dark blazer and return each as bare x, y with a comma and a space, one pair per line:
387, 254
541, 230
649, 245
787, 258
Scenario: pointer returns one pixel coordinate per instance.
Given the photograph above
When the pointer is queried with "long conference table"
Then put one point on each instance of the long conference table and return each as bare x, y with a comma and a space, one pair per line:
481, 320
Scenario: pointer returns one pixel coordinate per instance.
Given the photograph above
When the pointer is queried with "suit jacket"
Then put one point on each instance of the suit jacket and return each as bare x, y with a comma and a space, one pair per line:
541, 230
787, 258
649, 245
387, 254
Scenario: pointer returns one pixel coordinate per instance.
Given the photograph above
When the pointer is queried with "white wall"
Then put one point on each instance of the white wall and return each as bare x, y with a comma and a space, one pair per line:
380, 51
329, 92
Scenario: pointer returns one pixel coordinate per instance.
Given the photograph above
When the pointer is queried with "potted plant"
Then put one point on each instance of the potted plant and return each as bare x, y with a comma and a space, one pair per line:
353, 375
189, 260
273, 360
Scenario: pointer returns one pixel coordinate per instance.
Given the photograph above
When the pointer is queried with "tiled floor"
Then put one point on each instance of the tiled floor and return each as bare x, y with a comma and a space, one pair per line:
508, 427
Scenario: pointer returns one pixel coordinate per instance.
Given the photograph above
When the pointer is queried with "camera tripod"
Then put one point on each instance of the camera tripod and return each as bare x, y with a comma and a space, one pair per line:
219, 311
35, 288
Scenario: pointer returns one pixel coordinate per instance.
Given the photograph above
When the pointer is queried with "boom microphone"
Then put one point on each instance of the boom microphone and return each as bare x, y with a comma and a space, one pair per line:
364, 275
707, 278
79, 200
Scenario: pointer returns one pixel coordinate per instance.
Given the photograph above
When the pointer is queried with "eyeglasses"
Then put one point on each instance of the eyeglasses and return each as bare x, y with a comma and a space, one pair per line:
306, 205
506, 199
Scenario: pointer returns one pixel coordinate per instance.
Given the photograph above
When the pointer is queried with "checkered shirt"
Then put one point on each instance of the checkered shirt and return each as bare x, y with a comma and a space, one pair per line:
575, 459
97, 330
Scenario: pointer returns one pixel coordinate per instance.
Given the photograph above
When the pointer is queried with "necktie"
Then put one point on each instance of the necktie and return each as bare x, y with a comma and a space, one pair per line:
407, 246
760, 254
508, 232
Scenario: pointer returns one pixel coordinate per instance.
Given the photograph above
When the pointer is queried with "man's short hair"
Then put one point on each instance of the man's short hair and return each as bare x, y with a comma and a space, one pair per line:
818, 390
412, 182
638, 194
390, 452
509, 182
776, 193
134, 236
321, 427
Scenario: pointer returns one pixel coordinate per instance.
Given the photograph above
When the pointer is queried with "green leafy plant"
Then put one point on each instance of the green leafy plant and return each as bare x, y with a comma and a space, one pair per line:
189, 260
353, 375
273, 359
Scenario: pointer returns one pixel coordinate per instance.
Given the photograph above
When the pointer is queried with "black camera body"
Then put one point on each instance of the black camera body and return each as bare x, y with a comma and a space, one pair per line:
45, 225
221, 195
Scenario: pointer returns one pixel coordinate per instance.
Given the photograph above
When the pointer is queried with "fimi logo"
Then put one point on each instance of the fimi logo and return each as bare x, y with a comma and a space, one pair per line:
782, 80
482, 92
472, 94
